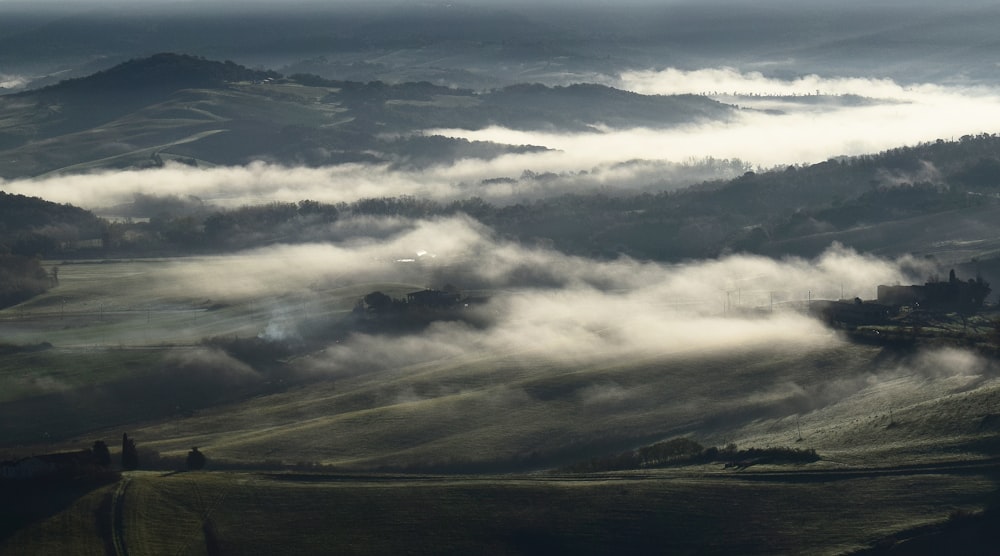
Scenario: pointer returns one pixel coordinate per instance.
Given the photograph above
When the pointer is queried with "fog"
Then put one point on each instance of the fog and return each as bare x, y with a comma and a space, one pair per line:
625, 329
799, 126
12, 81
705, 347
544, 304
461, 250
805, 131
260, 182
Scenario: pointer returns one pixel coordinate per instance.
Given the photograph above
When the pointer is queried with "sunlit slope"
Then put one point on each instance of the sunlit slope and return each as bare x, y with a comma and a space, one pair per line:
486, 409
288, 374
509, 412
147, 112
170, 128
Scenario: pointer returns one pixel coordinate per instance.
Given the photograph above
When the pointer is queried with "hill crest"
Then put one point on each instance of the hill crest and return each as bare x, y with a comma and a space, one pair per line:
163, 72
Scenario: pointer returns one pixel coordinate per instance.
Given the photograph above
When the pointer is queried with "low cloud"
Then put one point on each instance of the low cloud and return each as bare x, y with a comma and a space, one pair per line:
12, 81
803, 131
503, 180
927, 174
731, 81
462, 251
546, 305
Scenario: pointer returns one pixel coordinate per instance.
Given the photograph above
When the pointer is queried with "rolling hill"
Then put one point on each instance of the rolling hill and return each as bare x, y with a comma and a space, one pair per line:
321, 422
172, 106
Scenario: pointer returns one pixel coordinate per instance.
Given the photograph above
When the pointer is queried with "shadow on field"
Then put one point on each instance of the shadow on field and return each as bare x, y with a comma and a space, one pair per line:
967, 533
28, 501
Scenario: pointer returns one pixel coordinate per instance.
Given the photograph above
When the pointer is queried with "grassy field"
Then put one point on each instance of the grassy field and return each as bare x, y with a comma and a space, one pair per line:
121, 347
660, 512
188, 117
127, 351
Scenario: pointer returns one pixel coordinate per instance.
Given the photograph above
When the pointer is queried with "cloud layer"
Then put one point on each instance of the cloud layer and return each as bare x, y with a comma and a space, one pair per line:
544, 303
792, 128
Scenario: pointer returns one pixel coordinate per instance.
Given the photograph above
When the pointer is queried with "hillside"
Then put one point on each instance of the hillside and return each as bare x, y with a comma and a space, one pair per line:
312, 513
172, 106
499, 278
889, 204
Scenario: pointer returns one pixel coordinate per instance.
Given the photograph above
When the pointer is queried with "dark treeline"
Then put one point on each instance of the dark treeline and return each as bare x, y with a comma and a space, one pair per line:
30, 228
21, 278
752, 213
684, 451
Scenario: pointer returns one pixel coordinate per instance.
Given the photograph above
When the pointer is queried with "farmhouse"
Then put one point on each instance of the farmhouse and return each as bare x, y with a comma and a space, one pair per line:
432, 299
852, 313
953, 295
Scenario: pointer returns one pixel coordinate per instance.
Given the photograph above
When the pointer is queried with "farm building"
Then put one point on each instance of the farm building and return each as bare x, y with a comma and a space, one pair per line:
952, 295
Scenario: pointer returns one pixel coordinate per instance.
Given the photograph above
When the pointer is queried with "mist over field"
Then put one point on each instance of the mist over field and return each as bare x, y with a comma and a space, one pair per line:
261, 182
805, 120
511, 277
551, 305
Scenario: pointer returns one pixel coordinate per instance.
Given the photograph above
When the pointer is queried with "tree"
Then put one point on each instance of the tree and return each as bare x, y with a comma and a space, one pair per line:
195, 459
102, 455
378, 302
130, 456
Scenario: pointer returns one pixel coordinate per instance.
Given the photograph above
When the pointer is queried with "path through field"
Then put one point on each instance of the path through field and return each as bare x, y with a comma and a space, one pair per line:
118, 517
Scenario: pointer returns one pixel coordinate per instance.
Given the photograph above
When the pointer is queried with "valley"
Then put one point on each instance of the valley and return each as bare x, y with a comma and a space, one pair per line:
520, 278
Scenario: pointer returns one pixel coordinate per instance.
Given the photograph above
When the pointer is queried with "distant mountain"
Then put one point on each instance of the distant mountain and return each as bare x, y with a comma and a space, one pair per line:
180, 107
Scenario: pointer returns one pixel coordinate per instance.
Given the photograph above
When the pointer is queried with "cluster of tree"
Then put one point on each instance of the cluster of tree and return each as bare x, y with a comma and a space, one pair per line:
684, 451
378, 311
242, 227
757, 212
195, 459
448, 297
31, 226
754, 213
131, 460
102, 454
21, 278
130, 455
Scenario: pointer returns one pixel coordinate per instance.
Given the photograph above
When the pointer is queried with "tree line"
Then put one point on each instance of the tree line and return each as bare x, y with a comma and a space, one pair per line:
754, 213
